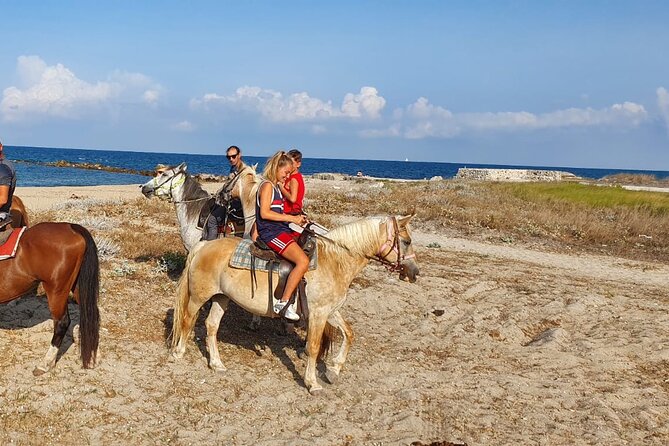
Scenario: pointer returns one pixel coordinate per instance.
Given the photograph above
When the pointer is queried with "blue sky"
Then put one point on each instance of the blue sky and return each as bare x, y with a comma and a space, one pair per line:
558, 83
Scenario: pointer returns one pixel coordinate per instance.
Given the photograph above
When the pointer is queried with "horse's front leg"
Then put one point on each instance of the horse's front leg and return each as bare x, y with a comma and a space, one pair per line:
218, 305
314, 338
61, 322
332, 372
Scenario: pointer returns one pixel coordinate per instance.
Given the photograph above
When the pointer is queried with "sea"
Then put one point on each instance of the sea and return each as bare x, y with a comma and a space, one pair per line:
31, 172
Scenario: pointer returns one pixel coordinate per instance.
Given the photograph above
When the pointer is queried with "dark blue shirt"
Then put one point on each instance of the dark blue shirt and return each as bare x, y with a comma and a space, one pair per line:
7, 178
269, 229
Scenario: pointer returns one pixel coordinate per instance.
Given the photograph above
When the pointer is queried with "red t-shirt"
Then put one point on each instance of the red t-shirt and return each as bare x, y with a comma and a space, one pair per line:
294, 208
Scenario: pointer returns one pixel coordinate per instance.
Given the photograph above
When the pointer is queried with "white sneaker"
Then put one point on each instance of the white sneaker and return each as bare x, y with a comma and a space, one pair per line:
289, 314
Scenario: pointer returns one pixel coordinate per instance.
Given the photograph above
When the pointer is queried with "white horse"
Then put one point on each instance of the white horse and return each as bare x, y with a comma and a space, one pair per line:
178, 186
341, 256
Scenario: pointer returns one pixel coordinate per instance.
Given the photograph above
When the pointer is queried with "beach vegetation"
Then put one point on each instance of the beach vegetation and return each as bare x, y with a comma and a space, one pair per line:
557, 216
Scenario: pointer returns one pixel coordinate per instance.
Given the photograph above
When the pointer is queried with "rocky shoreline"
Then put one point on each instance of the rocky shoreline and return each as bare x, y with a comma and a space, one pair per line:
516, 175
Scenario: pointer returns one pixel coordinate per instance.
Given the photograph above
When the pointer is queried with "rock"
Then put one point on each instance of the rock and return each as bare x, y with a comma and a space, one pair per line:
514, 175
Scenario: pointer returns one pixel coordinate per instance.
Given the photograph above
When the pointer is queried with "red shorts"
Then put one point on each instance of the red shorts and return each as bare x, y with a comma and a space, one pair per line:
281, 242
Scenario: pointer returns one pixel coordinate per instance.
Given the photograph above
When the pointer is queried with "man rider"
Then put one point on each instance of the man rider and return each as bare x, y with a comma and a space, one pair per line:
7, 185
218, 213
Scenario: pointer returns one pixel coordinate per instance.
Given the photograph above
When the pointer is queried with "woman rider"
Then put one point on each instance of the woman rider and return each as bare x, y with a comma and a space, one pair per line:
272, 226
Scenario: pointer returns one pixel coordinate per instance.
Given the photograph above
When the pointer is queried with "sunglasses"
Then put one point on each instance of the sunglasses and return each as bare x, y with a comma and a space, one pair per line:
231, 157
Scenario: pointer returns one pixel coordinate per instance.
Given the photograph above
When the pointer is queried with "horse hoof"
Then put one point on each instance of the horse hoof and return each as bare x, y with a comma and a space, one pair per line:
177, 355
331, 376
315, 391
218, 369
38, 371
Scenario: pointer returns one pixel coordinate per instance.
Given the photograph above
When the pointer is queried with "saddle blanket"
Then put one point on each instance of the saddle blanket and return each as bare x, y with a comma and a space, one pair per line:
241, 258
8, 249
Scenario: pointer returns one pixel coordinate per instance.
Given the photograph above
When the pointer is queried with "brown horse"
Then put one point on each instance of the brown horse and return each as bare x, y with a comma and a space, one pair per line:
18, 213
64, 257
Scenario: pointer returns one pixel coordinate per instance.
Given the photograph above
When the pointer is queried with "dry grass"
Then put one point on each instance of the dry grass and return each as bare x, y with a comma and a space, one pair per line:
560, 216
637, 179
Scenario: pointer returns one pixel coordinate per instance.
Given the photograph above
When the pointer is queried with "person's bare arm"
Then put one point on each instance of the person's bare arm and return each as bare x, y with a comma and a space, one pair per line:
4, 195
290, 195
266, 212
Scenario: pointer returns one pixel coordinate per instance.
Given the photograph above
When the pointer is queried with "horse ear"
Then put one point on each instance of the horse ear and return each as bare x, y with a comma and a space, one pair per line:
403, 221
182, 167
255, 167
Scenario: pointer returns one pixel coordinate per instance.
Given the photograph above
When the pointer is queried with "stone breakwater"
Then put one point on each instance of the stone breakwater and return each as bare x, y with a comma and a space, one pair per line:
514, 175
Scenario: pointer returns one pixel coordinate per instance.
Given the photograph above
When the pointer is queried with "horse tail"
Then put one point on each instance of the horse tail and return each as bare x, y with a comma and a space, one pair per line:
88, 283
328, 340
181, 301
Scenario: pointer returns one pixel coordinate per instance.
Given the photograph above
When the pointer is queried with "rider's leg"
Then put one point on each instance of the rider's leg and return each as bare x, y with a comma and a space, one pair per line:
294, 253
210, 228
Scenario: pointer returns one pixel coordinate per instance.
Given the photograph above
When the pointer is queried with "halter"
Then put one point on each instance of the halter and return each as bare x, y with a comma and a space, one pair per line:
392, 244
171, 186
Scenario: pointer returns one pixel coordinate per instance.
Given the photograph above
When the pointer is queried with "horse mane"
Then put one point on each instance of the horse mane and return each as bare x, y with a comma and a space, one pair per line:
359, 238
192, 190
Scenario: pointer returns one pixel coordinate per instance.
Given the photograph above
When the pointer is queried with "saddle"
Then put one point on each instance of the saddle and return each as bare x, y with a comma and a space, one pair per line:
233, 216
5, 229
9, 241
283, 267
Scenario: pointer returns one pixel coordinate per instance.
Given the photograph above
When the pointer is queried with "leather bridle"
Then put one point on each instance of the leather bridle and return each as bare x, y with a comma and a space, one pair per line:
171, 185
392, 244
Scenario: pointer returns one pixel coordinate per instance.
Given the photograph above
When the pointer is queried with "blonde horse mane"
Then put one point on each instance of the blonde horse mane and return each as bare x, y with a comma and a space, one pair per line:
359, 238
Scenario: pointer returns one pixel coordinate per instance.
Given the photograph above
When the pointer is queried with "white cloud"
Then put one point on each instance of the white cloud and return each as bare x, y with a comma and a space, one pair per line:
422, 119
296, 107
56, 91
663, 104
183, 126
367, 103
151, 96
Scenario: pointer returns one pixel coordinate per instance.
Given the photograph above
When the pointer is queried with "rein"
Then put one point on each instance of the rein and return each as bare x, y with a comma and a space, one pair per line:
173, 186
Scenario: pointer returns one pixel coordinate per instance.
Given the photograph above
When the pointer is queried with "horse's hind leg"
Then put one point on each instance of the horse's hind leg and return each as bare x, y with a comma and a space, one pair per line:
332, 373
218, 305
187, 323
61, 322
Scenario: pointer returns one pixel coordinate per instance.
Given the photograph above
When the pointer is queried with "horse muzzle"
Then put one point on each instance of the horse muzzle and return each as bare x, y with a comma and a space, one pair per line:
147, 190
409, 270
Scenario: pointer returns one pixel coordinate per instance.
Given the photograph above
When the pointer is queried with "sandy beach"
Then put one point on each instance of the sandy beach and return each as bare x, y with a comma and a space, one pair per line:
494, 344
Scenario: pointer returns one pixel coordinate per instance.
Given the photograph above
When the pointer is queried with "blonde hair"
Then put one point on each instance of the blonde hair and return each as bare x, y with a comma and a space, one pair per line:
278, 160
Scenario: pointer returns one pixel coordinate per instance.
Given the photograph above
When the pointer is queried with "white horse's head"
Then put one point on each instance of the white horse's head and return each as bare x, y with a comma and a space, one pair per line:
165, 182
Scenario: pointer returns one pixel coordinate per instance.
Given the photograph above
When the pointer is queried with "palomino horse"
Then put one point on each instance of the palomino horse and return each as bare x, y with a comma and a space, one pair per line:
341, 256
64, 257
18, 213
176, 185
